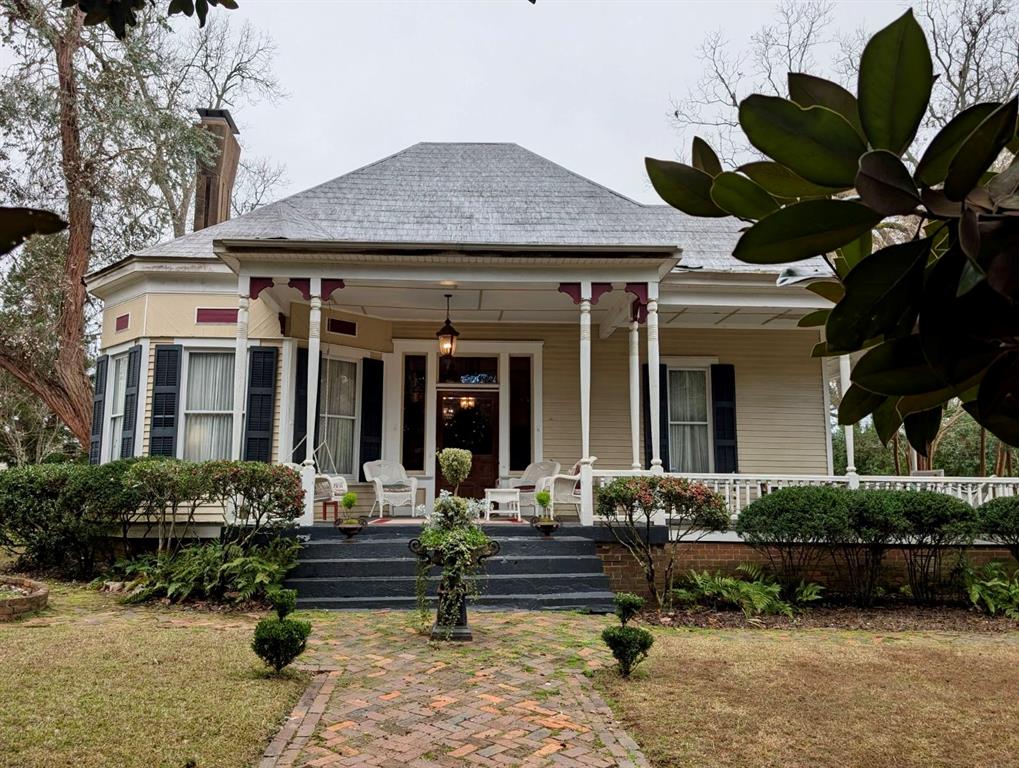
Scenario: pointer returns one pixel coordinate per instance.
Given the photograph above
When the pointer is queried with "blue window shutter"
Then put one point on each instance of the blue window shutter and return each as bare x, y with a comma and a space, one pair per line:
371, 412
95, 445
165, 400
134, 365
261, 403
723, 405
663, 414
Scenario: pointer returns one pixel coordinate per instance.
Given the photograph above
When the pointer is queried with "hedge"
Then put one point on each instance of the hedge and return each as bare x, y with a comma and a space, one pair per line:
68, 517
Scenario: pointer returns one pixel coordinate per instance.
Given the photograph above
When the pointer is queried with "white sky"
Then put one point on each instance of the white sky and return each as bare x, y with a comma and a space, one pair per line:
586, 84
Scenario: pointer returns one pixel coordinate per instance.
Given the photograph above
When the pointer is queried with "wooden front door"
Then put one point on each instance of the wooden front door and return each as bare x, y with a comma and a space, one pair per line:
470, 419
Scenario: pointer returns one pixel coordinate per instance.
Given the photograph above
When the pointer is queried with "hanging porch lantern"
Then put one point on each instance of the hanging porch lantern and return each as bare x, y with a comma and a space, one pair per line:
447, 335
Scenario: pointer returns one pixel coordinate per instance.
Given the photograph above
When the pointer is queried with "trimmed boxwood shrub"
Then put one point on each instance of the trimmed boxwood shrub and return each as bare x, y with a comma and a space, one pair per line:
874, 522
998, 521
629, 645
280, 640
793, 528
937, 525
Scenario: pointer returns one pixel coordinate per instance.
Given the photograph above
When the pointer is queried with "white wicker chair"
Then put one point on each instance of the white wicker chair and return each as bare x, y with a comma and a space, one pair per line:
327, 487
392, 486
531, 481
564, 489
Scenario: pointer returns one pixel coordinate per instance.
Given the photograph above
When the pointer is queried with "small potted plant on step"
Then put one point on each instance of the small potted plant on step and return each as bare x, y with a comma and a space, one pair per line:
544, 522
347, 524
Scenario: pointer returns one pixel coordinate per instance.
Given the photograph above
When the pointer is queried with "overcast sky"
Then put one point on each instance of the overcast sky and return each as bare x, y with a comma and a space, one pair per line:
586, 84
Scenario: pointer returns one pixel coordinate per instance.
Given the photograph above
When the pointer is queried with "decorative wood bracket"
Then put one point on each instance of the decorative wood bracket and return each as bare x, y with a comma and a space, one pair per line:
573, 291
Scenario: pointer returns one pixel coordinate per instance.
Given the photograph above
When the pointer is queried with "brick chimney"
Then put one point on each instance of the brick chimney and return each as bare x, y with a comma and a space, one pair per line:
216, 179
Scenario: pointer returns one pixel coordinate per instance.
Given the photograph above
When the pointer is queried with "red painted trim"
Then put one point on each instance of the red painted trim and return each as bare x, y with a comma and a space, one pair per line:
638, 312
639, 290
259, 284
598, 290
572, 290
302, 284
329, 286
215, 315
122, 323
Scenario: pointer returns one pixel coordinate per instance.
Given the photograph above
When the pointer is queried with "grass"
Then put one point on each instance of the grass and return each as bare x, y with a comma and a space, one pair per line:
7, 592
90, 683
822, 699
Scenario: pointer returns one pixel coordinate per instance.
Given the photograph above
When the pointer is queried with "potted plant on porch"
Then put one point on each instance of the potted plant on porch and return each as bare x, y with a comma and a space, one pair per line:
451, 541
347, 524
544, 522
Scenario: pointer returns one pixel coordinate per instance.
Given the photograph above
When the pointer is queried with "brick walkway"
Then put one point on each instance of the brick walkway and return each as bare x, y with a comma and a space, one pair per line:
518, 695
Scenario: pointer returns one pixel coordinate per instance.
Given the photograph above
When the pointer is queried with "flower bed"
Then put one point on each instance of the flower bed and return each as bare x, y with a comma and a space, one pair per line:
28, 596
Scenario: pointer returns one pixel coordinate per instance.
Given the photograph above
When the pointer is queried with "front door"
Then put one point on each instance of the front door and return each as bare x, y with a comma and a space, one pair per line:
470, 419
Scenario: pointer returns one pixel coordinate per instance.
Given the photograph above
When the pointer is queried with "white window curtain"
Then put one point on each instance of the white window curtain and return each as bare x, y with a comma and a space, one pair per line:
119, 382
208, 411
689, 440
337, 425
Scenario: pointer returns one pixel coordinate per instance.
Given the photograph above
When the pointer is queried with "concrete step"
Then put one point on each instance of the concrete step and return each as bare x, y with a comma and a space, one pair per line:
374, 547
588, 602
404, 586
411, 530
343, 567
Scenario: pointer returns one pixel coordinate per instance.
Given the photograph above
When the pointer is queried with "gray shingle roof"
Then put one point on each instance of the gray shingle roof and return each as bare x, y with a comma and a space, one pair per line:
471, 194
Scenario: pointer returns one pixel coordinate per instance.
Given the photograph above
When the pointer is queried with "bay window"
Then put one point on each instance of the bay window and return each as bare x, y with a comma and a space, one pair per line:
208, 405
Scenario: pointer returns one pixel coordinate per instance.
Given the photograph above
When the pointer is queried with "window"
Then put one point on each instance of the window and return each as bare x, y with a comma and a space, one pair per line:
118, 380
689, 427
469, 370
337, 423
414, 390
208, 406
521, 448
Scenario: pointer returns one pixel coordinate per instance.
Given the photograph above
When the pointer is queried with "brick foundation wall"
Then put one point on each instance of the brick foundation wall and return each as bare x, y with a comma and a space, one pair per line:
15, 607
625, 575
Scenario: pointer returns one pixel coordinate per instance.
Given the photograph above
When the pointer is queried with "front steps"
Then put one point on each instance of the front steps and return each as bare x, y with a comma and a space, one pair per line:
376, 569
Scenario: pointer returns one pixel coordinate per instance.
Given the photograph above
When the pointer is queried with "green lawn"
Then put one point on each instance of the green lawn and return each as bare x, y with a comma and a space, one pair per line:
823, 699
93, 684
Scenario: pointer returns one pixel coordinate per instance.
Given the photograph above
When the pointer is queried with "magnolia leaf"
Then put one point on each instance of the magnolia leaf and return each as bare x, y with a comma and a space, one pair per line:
782, 182
820, 350
815, 143
887, 420
813, 319
880, 291
808, 91
704, 158
826, 289
885, 185
741, 197
933, 166
857, 403
972, 276
936, 202
999, 388
921, 429
897, 367
1004, 185
894, 85
969, 233
802, 230
853, 253
19, 224
683, 187
980, 149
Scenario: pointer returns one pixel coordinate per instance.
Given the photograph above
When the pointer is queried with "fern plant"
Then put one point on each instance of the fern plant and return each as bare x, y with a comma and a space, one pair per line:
994, 590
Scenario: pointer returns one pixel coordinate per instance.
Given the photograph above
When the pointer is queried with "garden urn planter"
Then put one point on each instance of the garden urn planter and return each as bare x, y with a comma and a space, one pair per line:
350, 527
546, 525
452, 598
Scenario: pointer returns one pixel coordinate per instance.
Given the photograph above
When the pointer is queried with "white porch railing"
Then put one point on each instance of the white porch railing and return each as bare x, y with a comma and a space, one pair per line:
739, 490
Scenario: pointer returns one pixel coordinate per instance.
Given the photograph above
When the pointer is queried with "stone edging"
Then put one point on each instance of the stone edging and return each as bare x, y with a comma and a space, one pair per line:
14, 607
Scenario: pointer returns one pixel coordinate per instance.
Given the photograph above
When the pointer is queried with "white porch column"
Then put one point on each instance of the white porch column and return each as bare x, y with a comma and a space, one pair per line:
635, 392
240, 366
844, 383
586, 461
654, 384
314, 349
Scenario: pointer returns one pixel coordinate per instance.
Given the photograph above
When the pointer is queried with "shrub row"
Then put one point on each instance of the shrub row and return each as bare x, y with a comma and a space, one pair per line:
68, 517
795, 527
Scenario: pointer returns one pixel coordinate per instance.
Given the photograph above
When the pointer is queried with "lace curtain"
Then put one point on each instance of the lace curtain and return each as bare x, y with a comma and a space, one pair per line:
337, 417
208, 424
117, 405
688, 421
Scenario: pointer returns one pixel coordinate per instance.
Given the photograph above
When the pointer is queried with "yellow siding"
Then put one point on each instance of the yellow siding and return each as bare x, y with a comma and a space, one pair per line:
372, 333
135, 310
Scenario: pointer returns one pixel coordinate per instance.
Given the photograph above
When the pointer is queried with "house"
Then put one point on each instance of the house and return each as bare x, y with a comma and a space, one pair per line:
589, 325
